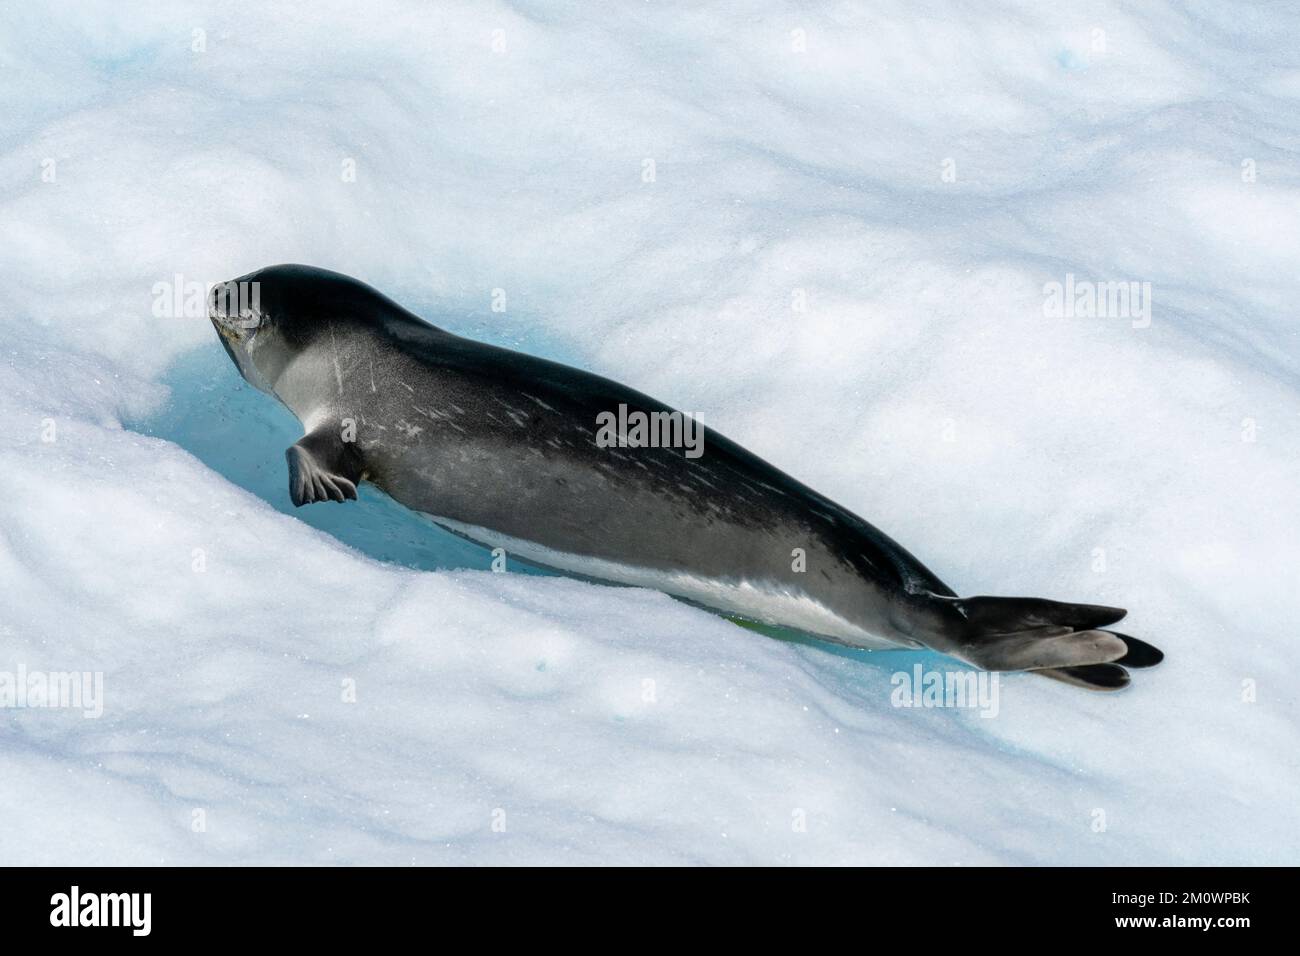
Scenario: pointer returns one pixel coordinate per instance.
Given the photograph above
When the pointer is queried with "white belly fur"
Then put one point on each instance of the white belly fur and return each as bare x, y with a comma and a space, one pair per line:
761, 601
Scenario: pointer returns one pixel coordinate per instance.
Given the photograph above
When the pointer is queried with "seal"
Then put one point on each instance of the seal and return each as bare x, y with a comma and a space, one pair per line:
561, 469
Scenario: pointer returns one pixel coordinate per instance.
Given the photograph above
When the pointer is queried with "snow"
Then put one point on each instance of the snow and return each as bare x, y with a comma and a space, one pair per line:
349, 685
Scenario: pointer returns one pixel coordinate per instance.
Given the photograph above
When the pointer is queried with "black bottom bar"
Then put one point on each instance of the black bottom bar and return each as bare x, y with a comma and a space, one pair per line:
333, 906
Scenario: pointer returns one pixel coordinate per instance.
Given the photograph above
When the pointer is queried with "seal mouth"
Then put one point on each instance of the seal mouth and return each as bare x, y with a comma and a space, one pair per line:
228, 342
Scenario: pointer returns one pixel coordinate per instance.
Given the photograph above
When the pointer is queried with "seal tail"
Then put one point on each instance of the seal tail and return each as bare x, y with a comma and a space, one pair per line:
1067, 642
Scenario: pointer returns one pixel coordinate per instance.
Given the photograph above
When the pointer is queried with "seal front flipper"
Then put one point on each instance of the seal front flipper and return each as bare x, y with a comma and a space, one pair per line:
323, 467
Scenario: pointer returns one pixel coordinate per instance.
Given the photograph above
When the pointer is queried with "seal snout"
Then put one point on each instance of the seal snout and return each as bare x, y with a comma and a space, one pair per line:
235, 307
216, 300
219, 311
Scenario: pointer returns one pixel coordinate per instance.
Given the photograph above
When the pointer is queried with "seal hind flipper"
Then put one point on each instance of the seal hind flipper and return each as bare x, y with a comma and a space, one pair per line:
1037, 634
1041, 648
1005, 614
1104, 677
1140, 653
323, 467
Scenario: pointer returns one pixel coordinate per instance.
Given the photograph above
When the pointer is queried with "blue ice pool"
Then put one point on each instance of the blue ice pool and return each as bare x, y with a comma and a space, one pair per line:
241, 434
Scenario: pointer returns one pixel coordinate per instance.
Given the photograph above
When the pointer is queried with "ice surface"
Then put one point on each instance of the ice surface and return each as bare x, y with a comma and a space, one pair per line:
922, 386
